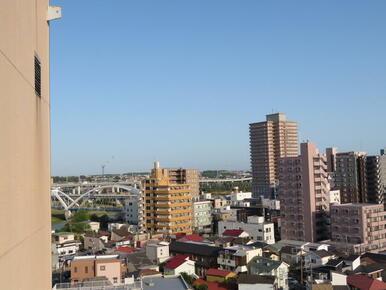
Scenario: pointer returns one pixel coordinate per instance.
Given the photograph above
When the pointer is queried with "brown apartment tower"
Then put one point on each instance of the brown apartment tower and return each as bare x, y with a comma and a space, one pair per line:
270, 140
25, 245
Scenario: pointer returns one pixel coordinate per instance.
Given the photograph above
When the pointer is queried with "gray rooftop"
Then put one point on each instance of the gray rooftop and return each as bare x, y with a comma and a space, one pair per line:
164, 283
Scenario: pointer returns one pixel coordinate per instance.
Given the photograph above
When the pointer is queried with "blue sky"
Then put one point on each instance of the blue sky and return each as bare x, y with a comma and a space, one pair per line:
180, 80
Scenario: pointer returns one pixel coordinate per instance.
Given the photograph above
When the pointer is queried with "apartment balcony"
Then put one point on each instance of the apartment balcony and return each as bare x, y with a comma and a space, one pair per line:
226, 262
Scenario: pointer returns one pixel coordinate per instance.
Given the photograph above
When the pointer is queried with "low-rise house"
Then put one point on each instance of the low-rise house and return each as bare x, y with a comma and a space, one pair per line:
236, 258
191, 238
317, 258
203, 254
264, 266
120, 234
60, 238
137, 261
179, 264
363, 282
219, 276
94, 226
235, 233
257, 228
66, 245
251, 282
96, 241
291, 255
86, 267
158, 252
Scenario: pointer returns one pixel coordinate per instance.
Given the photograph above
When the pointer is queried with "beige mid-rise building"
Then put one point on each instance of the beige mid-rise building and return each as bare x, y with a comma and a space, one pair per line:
184, 176
269, 141
25, 222
168, 206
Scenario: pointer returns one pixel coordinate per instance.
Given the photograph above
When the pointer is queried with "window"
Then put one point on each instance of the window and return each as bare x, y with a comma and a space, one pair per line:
75, 269
38, 74
86, 269
115, 280
102, 268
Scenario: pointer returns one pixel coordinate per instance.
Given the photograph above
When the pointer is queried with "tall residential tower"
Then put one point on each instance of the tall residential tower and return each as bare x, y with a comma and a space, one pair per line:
269, 141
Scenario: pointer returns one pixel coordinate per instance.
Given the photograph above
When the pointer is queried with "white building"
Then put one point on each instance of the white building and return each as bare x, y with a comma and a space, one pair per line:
202, 212
179, 264
158, 253
66, 245
133, 210
334, 196
256, 227
236, 258
273, 204
94, 226
239, 196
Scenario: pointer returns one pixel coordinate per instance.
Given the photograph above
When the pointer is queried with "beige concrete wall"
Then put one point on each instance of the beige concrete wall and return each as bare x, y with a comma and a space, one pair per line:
25, 249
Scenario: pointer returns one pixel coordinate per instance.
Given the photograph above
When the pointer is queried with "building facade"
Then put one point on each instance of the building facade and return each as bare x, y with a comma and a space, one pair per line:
185, 176
25, 143
202, 211
304, 195
361, 225
168, 206
134, 211
350, 175
269, 141
376, 179
87, 267
257, 228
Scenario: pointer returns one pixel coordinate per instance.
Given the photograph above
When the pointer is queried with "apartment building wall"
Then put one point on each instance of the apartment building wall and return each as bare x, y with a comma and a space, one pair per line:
24, 146
270, 140
304, 195
184, 176
111, 269
360, 224
82, 269
202, 211
350, 176
376, 179
168, 206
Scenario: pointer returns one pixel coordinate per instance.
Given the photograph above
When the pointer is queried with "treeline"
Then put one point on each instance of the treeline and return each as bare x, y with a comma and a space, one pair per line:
226, 187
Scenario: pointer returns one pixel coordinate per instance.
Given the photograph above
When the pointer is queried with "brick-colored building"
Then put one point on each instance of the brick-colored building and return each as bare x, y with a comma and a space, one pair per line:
88, 267
359, 226
304, 195
270, 140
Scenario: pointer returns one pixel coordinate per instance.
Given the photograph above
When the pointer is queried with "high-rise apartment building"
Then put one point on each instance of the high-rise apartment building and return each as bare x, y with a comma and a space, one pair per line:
376, 179
185, 176
360, 227
25, 144
304, 195
350, 176
168, 205
269, 141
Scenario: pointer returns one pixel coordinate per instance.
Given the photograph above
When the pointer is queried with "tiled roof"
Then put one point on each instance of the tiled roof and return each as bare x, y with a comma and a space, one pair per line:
232, 233
211, 285
365, 283
148, 272
194, 249
193, 237
217, 272
176, 261
255, 279
125, 249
